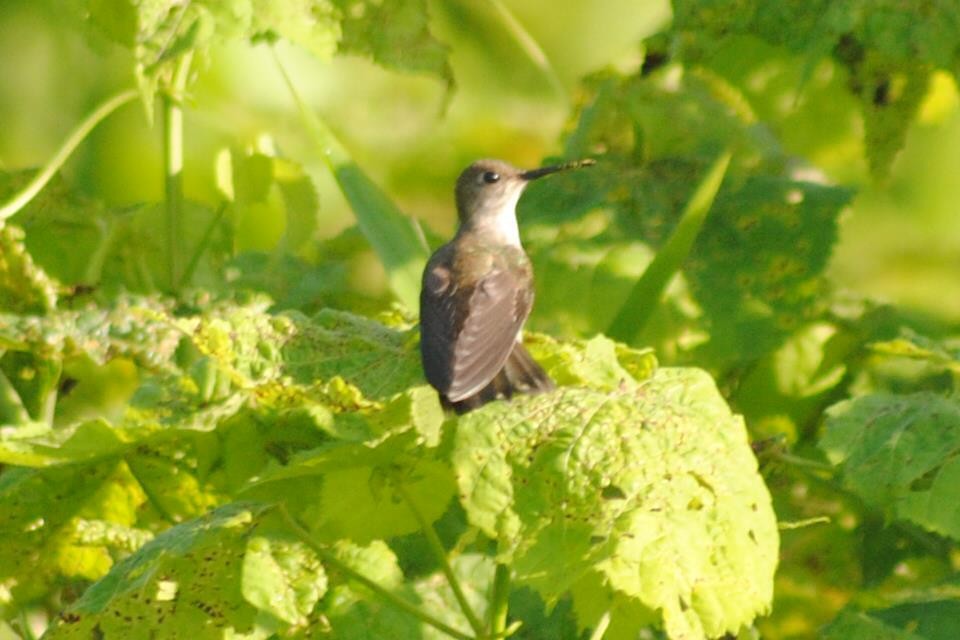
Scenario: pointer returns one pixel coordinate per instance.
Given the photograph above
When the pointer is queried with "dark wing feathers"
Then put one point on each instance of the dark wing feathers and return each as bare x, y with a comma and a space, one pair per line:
520, 374
438, 324
468, 333
498, 308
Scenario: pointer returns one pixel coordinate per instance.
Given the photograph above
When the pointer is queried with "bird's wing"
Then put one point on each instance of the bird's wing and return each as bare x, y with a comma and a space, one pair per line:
468, 333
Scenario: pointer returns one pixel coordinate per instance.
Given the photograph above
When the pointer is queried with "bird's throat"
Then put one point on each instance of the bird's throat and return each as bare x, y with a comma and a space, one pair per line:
494, 226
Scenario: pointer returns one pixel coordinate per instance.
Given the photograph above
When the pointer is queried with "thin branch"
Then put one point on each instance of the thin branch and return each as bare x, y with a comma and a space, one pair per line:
806, 463
437, 547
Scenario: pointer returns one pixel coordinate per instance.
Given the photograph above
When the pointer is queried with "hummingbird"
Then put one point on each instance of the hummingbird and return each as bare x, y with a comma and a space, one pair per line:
477, 292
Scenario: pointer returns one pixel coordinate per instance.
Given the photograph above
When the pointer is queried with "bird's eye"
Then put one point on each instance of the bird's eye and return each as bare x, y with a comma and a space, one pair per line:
490, 177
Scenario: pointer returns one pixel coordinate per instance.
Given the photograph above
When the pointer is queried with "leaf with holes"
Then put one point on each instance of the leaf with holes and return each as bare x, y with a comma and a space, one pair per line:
652, 486
889, 49
201, 579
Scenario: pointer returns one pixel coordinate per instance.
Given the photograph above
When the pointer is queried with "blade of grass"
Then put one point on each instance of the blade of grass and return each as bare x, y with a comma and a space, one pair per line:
25, 195
529, 45
396, 238
646, 294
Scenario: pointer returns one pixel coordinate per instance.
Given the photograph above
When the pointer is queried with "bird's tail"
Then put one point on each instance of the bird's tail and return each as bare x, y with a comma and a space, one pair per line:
520, 374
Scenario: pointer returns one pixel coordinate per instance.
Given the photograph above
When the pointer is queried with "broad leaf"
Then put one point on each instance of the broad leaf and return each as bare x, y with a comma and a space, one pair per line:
650, 485
755, 272
898, 453
889, 50
395, 34
39, 521
202, 579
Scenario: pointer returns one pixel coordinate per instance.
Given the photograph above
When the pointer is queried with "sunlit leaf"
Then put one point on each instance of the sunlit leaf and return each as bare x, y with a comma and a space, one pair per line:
395, 34
196, 579
888, 48
652, 486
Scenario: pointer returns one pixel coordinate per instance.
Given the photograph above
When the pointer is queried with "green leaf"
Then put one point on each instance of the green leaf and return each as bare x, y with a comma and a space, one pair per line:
755, 272
912, 356
594, 362
379, 360
933, 617
786, 230
395, 35
854, 625
354, 612
654, 487
311, 24
274, 202
395, 237
139, 331
197, 579
788, 389
172, 482
898, 453
282, 578
360, 504
38, 444
600, 272
355, 479
80, 241
888, 48
44, 542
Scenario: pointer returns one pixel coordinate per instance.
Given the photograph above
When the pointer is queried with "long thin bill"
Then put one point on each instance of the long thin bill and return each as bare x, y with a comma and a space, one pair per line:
533, 174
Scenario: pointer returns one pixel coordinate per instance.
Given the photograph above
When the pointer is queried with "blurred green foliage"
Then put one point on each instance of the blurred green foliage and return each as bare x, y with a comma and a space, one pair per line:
212, 417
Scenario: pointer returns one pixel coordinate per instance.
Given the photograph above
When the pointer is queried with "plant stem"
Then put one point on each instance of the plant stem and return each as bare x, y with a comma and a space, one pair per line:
499, 600
437, 547
172, 100
798, 461
801, 524
329, 558
25, 195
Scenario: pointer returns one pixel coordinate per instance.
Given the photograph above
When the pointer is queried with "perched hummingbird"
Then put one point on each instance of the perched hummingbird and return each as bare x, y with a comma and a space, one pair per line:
477, 292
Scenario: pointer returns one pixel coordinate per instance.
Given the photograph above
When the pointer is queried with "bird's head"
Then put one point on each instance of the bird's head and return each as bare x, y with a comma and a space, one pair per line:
488, 190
